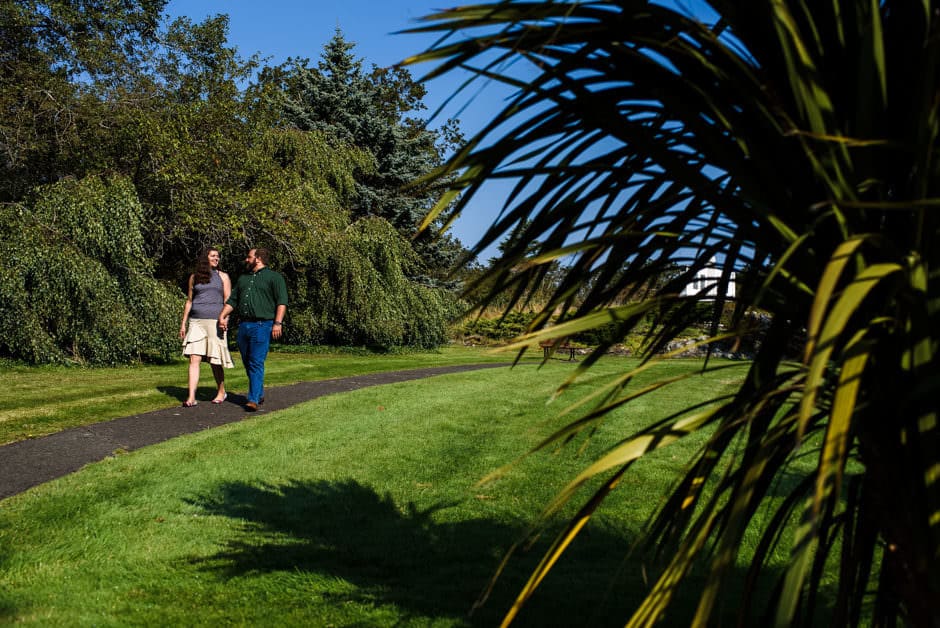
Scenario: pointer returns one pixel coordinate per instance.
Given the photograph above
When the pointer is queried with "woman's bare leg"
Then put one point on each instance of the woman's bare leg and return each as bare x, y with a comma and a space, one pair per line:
219, 373
194, 362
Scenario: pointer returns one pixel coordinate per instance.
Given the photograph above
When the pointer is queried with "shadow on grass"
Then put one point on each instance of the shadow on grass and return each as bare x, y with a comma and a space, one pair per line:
203, 393
397, 554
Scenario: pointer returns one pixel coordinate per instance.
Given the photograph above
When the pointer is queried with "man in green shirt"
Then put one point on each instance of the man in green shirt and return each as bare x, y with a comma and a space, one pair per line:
259, 298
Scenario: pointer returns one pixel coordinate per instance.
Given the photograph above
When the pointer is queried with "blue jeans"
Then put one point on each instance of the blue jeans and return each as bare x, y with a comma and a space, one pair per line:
254, 339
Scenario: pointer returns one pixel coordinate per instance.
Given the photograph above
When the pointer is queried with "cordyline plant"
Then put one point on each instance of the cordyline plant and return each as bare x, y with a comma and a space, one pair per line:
794, 143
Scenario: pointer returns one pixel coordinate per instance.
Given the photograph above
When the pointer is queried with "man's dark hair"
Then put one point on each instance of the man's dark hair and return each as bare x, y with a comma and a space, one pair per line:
264, 255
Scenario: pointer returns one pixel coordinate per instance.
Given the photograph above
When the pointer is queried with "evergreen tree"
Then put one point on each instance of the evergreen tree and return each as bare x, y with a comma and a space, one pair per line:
373, 111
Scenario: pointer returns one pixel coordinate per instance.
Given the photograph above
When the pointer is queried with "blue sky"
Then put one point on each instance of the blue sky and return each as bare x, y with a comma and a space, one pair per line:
299, 28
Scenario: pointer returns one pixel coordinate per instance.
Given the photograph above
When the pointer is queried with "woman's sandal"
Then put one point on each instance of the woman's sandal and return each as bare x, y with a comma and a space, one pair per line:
190, 404
218, 401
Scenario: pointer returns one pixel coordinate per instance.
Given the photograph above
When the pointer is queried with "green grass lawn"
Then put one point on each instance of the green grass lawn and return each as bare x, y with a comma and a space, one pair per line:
38, 401
359, 509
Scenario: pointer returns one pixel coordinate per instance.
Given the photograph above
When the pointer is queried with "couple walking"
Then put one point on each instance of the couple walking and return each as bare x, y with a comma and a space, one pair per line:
259, 299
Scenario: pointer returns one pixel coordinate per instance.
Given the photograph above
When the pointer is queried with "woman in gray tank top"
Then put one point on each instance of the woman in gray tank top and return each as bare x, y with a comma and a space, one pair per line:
203, 340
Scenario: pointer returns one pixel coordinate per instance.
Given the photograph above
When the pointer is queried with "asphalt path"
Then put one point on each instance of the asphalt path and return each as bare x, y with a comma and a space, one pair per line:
28, 463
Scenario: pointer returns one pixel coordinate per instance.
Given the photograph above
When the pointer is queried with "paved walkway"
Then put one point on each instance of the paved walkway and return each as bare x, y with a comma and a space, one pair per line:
31, 462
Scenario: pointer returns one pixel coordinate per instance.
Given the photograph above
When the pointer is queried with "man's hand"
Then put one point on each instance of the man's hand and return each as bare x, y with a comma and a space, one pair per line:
276, 332
223, 323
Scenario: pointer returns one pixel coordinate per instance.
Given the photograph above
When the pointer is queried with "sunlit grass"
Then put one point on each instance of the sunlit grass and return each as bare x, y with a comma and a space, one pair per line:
353, 509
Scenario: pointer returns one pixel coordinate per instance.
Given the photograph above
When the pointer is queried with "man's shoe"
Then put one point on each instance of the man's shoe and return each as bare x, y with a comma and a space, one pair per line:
251, 406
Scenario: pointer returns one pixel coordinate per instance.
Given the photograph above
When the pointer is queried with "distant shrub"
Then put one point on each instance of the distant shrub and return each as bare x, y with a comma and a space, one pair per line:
497, 329
356, 290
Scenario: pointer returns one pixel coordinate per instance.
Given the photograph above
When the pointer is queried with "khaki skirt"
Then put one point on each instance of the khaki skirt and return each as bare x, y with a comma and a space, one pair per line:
206, 339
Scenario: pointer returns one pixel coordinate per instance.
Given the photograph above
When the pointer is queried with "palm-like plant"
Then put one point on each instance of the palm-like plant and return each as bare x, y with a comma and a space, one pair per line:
797, 143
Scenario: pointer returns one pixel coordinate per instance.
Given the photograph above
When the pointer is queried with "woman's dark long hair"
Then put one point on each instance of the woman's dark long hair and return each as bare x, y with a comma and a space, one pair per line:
203, 272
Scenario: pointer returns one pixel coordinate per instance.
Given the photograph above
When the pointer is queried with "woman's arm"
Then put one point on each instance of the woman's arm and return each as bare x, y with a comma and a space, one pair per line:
226, 286
188, 307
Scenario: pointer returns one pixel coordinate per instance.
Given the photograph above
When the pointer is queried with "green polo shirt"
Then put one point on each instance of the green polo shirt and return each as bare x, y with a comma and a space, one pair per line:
256, 296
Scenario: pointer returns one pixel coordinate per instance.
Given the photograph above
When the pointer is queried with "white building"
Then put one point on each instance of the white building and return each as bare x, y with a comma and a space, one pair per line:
706, 280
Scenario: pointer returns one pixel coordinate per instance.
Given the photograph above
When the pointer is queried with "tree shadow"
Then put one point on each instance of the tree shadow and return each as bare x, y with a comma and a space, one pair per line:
399, 554
174, 392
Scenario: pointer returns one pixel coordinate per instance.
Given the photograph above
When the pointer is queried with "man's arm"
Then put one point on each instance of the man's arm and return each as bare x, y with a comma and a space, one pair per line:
223, 316
278, 322
280, 297
229, 305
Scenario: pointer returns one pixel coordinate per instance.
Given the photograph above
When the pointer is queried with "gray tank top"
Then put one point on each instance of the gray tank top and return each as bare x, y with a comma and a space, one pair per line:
207, 298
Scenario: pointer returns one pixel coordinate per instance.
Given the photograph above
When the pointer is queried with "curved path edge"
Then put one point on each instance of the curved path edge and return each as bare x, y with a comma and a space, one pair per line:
28, 463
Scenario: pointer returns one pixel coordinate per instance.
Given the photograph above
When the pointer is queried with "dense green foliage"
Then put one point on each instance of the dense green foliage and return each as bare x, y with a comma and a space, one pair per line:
77, 285
355, 290
796, 143
59, 59
197, 135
